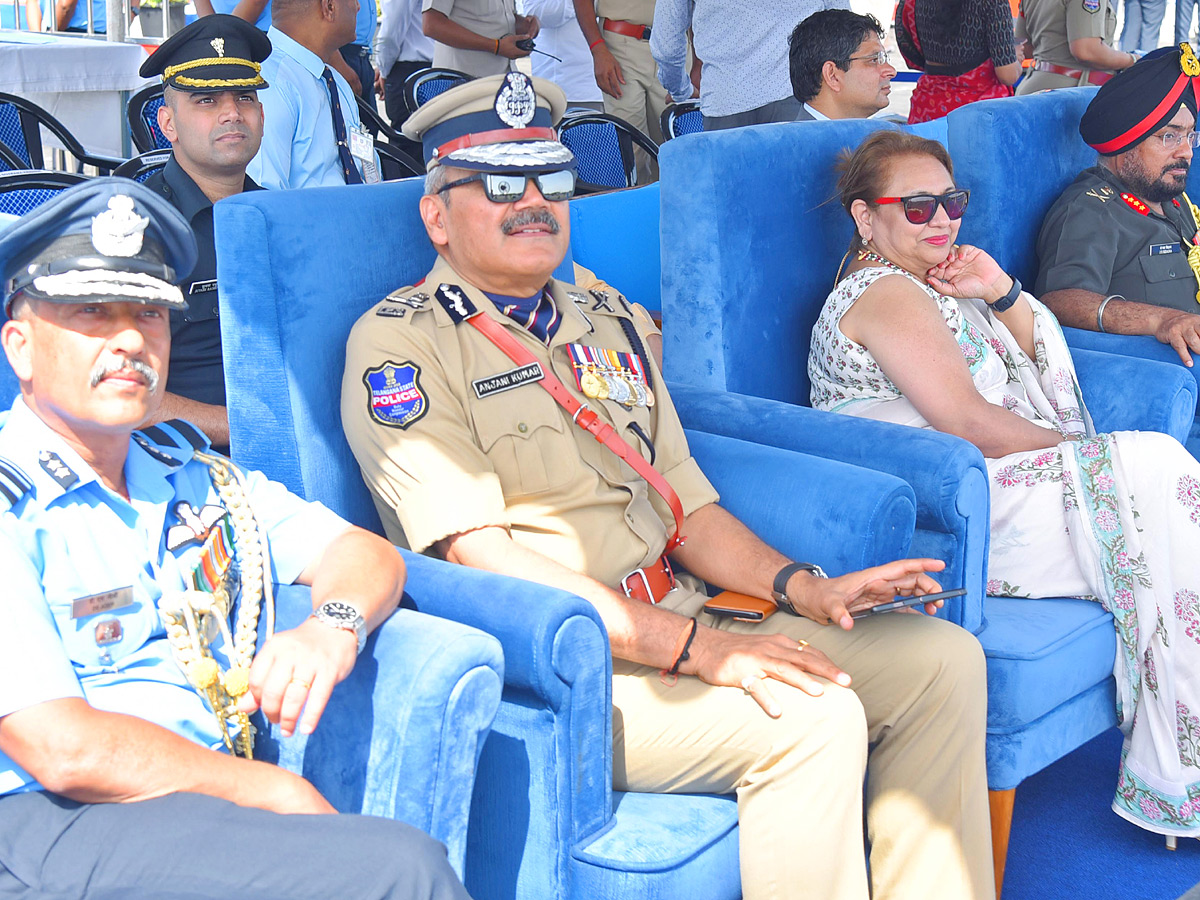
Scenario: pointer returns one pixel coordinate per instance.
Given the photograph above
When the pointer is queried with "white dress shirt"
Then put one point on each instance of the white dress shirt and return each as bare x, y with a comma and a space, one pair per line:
401, 36
560, 34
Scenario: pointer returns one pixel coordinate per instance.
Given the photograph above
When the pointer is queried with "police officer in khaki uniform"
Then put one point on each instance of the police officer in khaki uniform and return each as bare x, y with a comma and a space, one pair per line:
462, 401
1119, 251
625, 70
1072, 43
478, 37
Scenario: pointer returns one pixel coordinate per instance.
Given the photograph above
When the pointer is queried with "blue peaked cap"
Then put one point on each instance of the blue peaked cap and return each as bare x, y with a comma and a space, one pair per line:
107, 239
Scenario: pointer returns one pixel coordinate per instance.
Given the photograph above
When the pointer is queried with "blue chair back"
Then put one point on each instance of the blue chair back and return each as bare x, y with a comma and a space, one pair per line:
682, 118
142, 167
12, 133
142, 113
616, 236
1017, 155
603, 146
423, 85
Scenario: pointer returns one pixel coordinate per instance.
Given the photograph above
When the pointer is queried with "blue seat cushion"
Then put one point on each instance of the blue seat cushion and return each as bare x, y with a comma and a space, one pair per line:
1042, 653
652, 846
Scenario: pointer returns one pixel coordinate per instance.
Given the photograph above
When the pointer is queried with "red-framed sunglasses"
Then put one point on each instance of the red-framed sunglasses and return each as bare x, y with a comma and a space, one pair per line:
920, 208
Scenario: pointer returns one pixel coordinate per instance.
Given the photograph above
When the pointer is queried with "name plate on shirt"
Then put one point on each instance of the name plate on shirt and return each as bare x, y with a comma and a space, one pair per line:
506, 381
100, 603
1163, 249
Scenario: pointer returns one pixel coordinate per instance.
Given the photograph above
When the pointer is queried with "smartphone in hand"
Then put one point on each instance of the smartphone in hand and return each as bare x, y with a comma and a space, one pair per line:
906, 602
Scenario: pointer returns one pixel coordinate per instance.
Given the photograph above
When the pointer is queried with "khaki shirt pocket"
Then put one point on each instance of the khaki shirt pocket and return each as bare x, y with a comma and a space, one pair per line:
527, 441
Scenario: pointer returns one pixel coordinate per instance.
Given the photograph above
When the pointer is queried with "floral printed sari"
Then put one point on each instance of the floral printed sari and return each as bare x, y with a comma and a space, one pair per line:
1110, 517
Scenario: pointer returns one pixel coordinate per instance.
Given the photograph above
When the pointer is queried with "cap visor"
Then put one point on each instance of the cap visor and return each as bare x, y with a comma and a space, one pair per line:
518, 156
106, 286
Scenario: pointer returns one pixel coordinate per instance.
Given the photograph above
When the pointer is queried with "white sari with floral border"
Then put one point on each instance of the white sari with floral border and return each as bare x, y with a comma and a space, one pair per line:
1110, 517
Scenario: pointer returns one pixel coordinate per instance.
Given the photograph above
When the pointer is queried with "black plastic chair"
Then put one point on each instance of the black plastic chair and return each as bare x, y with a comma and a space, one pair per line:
26, 190
681, 118
21, 124
603, 146
395, 164
142, 115
423, 85
142, 167
9, 161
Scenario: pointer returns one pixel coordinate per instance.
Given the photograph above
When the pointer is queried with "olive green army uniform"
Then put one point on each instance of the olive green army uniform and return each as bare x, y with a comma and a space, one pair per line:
468, 456
1051, 25
1094, 239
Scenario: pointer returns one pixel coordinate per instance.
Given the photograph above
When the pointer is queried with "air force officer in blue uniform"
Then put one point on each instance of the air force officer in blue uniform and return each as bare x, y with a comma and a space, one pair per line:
122, 673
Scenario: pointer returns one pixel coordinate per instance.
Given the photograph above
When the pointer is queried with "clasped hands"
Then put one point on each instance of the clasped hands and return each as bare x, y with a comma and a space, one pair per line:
751, 661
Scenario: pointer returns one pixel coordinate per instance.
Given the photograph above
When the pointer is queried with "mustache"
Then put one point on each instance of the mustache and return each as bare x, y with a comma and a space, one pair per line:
1184, 164
114, 364
530, 217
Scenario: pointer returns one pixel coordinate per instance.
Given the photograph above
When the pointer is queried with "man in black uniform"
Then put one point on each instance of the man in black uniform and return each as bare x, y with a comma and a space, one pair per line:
1119, 251
214, 121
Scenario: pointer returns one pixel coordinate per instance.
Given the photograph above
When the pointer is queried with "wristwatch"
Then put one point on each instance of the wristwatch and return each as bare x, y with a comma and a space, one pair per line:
1008, 299
779, 587
336, 614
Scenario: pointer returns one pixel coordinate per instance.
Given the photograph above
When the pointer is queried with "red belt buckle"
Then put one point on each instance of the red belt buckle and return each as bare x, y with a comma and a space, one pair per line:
637, 583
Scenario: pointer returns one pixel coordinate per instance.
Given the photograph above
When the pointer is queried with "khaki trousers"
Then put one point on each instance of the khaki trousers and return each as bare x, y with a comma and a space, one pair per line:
1044, 81
913, 722
642, 99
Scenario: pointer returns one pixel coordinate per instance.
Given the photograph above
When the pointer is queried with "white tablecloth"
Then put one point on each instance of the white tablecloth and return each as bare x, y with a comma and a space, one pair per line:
76, 80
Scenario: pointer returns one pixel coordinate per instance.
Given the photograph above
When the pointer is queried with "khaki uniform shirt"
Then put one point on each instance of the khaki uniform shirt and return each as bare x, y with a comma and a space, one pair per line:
1051, 25
1093, 240
639, 12
490, 18
510, 458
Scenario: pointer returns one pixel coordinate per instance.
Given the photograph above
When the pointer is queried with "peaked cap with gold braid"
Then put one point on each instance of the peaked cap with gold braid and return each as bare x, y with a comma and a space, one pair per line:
215, 53
1135, 103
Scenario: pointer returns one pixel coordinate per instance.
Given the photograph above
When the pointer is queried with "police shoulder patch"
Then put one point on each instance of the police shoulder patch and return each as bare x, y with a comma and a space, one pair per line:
1092, 6
394, 395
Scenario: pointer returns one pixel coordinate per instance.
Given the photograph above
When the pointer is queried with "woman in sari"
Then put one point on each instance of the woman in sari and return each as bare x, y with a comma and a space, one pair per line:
923, 332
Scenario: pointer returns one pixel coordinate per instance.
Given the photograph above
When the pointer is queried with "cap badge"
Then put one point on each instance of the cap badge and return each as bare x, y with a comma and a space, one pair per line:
218, 44
516, 102
1188, 63
118, 231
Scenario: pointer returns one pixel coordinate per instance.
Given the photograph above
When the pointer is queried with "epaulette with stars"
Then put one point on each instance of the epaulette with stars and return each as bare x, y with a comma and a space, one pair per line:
1135, 204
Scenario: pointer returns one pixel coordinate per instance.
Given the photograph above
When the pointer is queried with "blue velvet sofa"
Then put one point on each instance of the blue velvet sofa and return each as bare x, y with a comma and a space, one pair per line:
401, 736
1041, 153
746, 265
545, 821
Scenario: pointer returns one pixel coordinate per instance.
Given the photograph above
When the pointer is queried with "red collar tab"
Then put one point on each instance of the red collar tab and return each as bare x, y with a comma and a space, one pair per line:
498, 136
1135, 203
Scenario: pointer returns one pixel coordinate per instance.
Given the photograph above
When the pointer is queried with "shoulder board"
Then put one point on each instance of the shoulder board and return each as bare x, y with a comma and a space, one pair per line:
398, 304
172, 442
1135, 204
453, 299
14, 484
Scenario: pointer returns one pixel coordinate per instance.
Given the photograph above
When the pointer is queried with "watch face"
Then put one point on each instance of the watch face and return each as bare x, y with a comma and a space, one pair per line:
343, 612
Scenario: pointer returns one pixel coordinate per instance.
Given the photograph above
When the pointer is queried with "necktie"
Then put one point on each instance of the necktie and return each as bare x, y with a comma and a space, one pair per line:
349, 170
538, 315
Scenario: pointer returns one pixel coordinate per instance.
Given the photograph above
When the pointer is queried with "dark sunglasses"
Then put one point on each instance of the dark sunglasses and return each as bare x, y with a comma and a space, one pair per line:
920, 208
509, 187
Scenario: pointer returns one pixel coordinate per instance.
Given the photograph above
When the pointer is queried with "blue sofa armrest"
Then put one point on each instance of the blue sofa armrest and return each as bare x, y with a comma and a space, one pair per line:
842, 517
1134, 383
947, 474
401, 736
545, 775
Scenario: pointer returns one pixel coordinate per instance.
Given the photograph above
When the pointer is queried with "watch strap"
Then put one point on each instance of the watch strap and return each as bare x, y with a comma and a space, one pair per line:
1005, 303
779, 585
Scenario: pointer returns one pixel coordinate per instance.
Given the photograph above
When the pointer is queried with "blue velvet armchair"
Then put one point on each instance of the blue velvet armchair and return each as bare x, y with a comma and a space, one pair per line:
747, 264
1042, 152
544, 820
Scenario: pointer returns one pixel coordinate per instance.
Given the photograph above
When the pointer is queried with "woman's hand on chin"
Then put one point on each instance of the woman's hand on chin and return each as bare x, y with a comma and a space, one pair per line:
969, 272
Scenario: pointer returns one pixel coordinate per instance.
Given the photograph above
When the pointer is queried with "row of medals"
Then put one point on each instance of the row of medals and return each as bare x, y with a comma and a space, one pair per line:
621, 386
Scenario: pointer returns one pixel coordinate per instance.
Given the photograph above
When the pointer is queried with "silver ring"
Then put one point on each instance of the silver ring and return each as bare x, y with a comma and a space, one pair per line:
748, 680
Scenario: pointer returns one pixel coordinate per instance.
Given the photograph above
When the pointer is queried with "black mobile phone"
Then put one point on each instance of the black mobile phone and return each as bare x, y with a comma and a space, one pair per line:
906, 602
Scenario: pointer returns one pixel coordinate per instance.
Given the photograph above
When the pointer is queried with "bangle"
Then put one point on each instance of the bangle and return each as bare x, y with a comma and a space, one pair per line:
682, 645
599, 40
1100, 311
496, 52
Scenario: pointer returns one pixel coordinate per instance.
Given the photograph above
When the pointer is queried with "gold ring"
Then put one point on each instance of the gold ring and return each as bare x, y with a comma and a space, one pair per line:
301, 682
801, 645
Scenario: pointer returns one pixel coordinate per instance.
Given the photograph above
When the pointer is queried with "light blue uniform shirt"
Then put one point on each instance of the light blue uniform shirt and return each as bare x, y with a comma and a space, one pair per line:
79, 17
262, 23
364, 23
298, 147
70, 537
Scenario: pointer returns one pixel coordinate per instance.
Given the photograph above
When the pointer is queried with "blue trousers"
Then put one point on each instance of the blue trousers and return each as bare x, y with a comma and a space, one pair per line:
1183, 19
1143, 20
358, 58
193, 847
